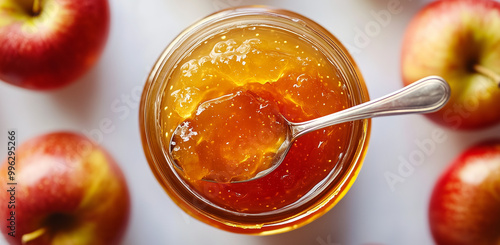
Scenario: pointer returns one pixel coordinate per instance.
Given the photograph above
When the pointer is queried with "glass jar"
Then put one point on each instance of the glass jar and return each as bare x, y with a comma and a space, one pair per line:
320, 196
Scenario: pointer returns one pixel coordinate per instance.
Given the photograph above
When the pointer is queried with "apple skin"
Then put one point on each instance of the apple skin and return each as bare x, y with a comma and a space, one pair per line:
465, 203
70, 186
53, 48
452, 39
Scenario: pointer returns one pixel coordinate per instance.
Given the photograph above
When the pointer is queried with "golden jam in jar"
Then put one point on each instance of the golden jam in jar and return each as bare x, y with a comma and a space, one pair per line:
222, 101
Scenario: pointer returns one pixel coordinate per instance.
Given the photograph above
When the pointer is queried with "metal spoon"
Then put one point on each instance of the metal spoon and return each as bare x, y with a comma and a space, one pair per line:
426, 95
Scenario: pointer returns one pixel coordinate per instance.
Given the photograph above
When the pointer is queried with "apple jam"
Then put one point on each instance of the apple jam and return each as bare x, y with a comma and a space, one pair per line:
229, 95
214, 108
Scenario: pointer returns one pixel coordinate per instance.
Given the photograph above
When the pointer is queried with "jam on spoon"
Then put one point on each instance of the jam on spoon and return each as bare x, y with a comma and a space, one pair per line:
230, 138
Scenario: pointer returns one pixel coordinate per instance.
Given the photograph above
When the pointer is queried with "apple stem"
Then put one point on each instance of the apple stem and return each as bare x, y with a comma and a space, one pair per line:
488, 73
33, 235
36, 7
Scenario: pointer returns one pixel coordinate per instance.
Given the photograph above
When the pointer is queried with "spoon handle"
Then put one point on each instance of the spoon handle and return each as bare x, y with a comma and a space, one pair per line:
426, 95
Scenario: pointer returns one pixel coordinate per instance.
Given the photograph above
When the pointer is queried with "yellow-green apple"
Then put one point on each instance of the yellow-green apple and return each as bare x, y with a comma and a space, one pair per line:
458, 40
465, 203
46, 44
67, 190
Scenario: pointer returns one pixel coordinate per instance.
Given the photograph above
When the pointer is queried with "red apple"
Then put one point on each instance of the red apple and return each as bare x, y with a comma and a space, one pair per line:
465, 203
68, 191
459, 41
46, 44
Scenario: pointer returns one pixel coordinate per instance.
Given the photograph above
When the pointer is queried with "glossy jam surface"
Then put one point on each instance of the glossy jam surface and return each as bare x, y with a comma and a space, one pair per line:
264, 72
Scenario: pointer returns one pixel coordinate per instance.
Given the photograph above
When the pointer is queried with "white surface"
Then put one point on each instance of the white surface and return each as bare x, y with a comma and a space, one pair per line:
371, 213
